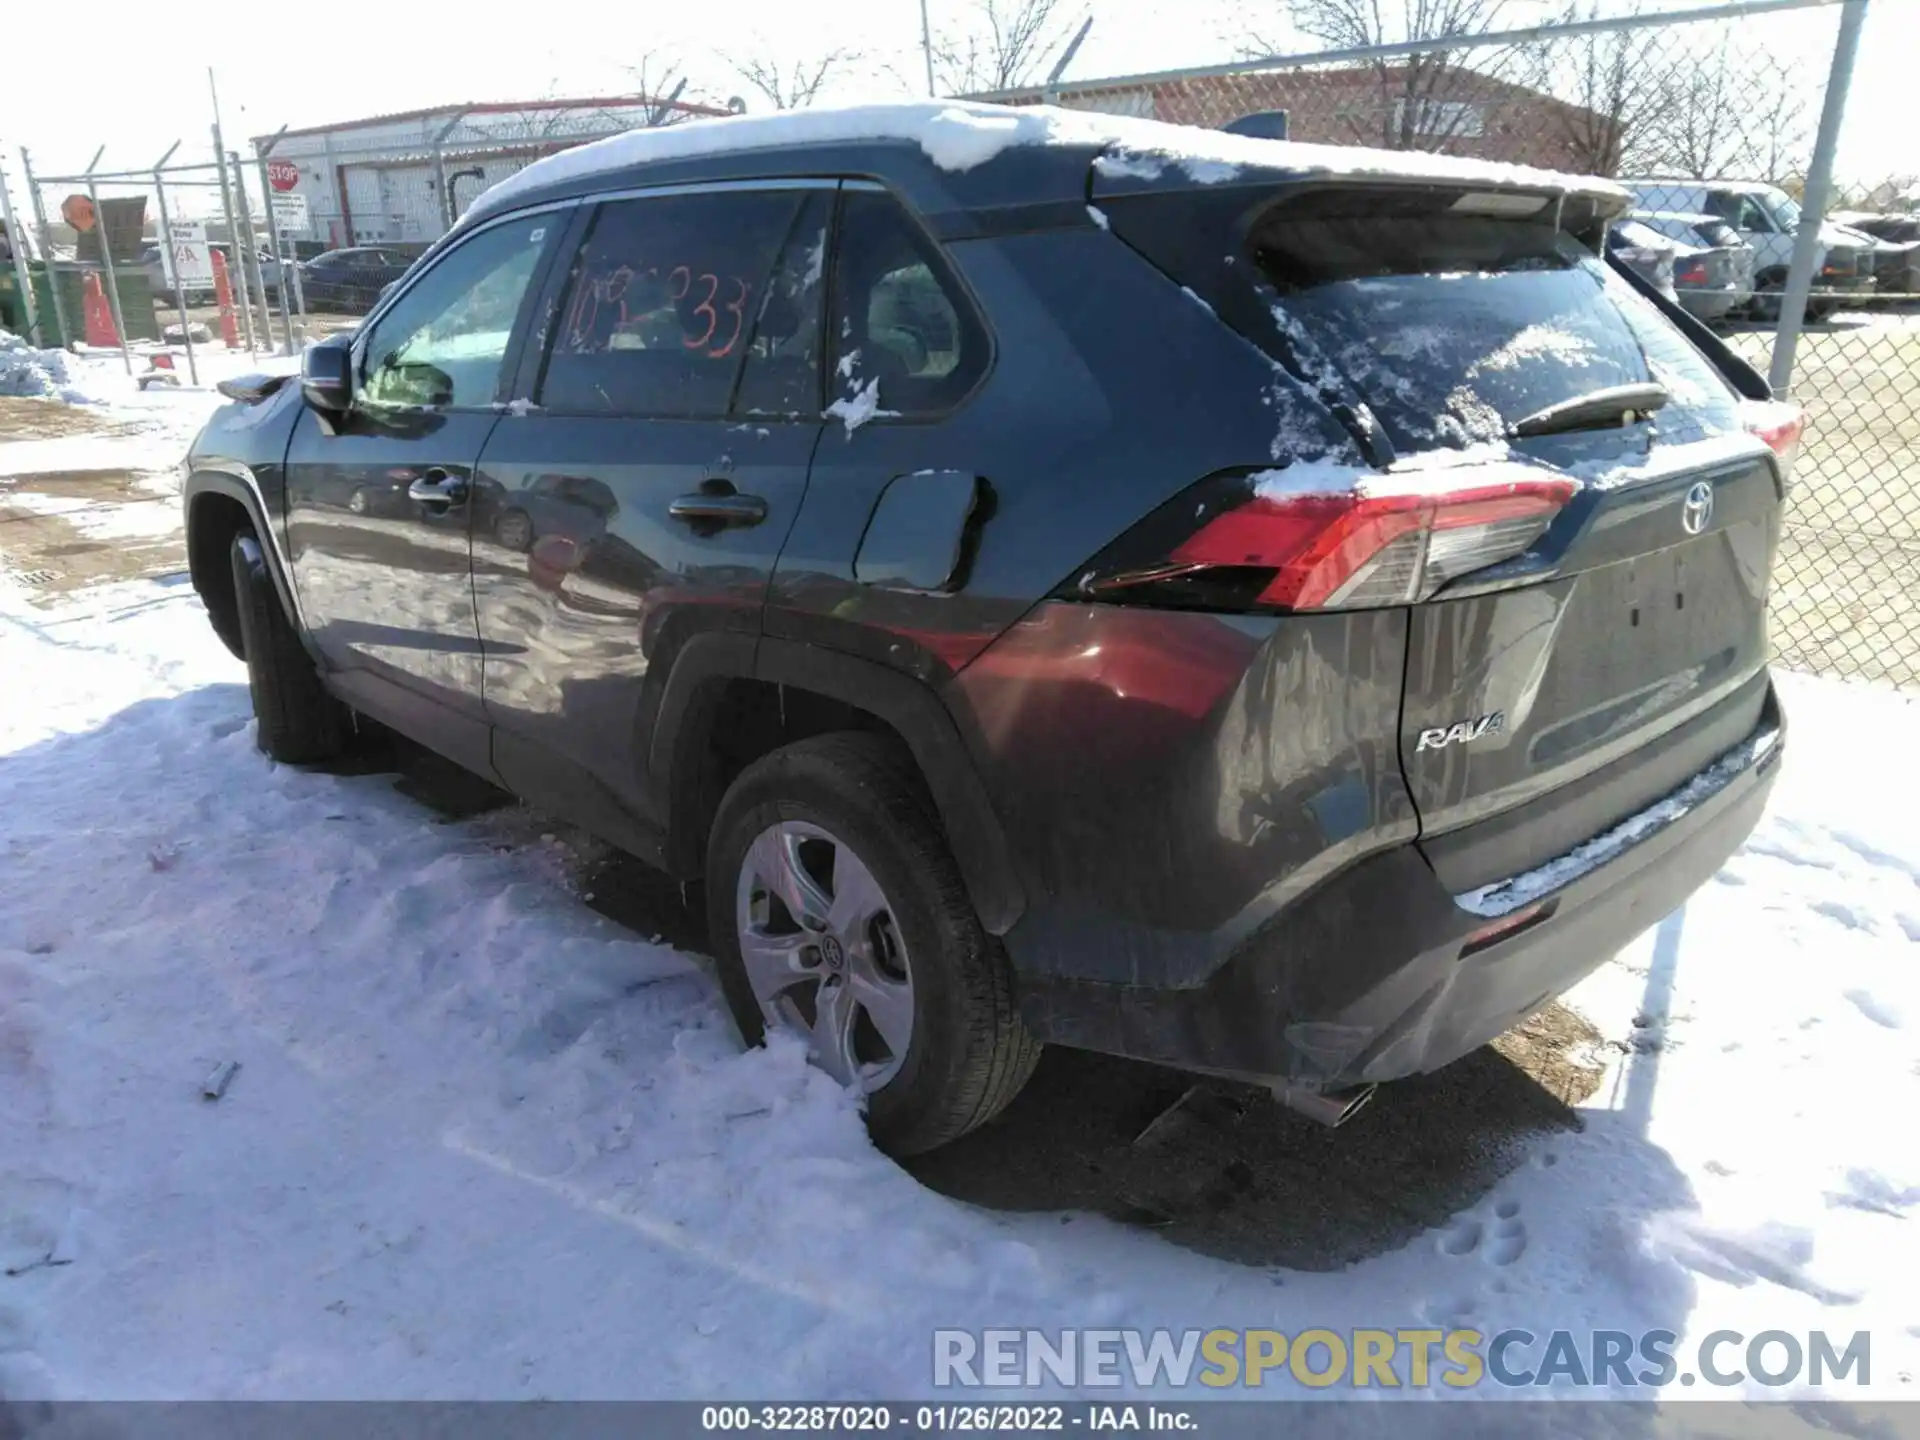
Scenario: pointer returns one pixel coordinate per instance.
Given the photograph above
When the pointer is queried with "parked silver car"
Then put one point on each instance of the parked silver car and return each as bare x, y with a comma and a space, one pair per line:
1768, 219
1713, 271
1649, 254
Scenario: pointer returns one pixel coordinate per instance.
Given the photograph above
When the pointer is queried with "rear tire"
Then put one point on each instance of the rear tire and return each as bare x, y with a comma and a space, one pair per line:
969, 1054
296, 721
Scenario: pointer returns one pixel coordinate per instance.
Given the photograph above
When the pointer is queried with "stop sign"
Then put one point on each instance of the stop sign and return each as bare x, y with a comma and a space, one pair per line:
283, 174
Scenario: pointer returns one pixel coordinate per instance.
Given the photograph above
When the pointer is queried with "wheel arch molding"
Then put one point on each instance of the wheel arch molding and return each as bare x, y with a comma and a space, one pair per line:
682, 783
206, 562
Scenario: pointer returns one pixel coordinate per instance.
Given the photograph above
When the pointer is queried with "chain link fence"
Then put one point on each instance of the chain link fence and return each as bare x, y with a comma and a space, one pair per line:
125, 258
359, 202
1711, 120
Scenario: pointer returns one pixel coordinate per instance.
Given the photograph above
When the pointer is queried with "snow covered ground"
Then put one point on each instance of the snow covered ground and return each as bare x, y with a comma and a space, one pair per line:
485, 1143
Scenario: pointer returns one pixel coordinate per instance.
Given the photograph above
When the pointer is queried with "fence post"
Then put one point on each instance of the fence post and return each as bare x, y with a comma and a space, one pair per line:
173, 265
46, 249
17, 243
1813, 199
237, 271
106, 261
447, 217
251, 255
277, 246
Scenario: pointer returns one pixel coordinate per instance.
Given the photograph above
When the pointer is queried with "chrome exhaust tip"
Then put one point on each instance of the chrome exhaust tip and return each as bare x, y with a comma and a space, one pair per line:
1328, 1107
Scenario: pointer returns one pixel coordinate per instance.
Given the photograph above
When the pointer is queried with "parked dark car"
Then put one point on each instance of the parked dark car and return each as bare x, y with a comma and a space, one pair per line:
350, 282
1899, 228
1896, 263
1254, 625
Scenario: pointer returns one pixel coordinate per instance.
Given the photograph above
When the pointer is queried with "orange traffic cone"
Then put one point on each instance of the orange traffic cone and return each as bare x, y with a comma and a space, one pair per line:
99, 314
223, 292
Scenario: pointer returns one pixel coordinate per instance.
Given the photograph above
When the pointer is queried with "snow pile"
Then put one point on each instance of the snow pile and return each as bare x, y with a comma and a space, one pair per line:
40, 374
960, 135
483, 1143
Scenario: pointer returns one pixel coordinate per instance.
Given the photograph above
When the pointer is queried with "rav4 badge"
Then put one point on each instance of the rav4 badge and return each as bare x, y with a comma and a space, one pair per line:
1462, 732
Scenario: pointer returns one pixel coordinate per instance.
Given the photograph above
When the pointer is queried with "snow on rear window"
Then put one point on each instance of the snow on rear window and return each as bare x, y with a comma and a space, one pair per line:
1453, 326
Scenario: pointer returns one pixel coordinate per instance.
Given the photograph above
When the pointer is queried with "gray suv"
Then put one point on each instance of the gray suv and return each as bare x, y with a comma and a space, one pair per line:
1279, 612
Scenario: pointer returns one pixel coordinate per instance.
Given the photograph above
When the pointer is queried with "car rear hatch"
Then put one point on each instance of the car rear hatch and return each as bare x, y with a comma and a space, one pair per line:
1582, 652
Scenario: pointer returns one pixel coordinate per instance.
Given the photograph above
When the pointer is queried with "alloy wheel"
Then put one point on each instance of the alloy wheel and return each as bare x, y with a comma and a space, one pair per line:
824, 953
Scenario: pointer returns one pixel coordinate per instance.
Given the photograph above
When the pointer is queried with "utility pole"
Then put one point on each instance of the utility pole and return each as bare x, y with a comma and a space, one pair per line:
926, 47
237, 271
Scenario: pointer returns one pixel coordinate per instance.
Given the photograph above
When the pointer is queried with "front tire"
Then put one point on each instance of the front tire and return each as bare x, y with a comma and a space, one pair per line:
836, 908
296, 721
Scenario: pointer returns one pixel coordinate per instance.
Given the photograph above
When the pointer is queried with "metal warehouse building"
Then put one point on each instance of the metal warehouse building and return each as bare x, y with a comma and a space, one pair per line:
405, 178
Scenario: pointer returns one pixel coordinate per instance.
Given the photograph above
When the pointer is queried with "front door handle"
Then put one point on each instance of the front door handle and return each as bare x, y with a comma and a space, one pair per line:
719, 508
437, 488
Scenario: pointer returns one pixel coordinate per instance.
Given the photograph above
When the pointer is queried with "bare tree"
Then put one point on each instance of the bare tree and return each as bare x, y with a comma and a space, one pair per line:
1607, 87
791, 84
660, 79
1420, 101
1779, 134
1004, 44
1699, 127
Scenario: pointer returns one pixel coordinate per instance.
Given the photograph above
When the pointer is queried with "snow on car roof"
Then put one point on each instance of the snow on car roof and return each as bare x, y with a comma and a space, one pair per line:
959, 135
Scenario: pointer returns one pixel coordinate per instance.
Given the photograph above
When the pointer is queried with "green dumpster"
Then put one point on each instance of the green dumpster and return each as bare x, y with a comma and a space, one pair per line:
136, 301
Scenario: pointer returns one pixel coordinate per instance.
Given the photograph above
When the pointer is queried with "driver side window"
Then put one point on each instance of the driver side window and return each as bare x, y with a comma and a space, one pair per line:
1753, 217
443, 343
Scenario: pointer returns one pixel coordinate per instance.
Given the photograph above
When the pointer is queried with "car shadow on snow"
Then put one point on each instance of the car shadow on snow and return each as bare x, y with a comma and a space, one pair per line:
1226, 1170
1219, 1168
1211, 1166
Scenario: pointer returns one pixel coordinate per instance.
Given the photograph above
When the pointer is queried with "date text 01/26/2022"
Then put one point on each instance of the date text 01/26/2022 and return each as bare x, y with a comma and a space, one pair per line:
934, 1419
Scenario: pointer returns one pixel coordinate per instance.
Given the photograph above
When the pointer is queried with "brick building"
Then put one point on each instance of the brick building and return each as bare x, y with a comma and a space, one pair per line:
1424, 106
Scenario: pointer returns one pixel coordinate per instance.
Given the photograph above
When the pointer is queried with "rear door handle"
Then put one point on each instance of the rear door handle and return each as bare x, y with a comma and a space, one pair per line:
711, 508
437, 487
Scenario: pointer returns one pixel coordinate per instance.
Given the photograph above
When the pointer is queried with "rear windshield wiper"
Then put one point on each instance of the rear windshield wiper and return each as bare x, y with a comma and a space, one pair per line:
1596, 410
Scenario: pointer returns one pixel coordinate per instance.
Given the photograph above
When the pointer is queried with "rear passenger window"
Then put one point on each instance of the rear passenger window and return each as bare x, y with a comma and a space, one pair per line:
906, 336
662, 302
781, 374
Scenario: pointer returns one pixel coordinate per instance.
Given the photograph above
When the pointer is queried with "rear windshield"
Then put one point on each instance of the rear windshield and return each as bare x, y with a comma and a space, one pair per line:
1452, 325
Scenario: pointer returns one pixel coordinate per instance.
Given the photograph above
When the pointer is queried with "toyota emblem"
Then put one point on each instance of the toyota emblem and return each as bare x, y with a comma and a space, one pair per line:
1697, 509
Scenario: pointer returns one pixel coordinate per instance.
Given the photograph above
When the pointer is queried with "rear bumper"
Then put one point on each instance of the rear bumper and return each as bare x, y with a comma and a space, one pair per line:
1831, 285
1711, 304
1381, 973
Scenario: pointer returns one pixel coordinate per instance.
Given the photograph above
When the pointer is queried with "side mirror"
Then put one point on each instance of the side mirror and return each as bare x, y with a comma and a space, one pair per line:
326, 375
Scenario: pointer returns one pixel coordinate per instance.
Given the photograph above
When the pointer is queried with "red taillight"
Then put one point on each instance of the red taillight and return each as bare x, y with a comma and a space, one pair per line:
1780, 424
1694, 272
1350, 549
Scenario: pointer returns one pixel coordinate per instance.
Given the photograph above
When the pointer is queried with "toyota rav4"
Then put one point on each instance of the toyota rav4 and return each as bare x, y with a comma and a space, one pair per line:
1285, 612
